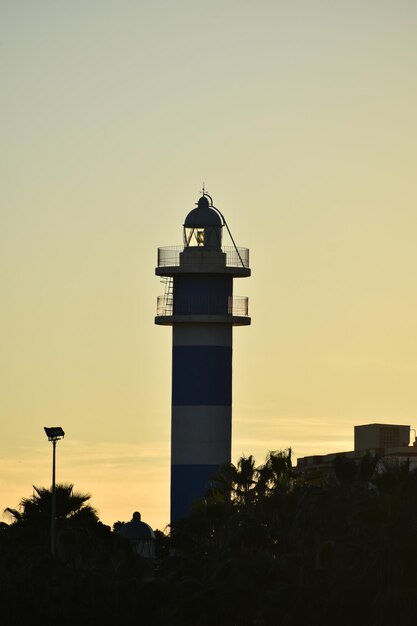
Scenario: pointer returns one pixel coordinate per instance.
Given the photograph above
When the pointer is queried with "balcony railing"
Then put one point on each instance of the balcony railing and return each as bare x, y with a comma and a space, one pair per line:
235, 257
237, 306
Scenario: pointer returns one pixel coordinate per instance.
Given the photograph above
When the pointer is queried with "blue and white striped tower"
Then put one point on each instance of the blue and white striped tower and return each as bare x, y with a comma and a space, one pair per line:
200, 306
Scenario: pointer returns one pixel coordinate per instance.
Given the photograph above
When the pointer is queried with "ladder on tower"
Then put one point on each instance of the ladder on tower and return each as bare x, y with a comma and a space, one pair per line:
168, 295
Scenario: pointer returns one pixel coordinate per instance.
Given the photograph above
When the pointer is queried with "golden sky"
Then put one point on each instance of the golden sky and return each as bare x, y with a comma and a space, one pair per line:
301, 119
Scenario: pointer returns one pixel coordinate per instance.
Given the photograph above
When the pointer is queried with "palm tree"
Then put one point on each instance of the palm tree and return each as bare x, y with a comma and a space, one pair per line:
277, 474
70, 505
77, 523
235, 483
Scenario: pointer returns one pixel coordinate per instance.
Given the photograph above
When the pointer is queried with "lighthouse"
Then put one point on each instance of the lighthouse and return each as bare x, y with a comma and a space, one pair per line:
200, 306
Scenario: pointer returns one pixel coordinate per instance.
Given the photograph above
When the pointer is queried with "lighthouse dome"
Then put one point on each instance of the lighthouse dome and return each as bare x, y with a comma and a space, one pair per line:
203, 216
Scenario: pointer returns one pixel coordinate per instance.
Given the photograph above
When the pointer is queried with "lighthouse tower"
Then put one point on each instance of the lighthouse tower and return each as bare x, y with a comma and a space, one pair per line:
200, 306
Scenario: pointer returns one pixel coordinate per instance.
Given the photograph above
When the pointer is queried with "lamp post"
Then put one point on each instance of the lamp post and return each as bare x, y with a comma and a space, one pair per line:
53, 433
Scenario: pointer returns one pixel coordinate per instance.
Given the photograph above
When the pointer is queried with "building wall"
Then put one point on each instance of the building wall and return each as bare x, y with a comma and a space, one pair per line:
381, 436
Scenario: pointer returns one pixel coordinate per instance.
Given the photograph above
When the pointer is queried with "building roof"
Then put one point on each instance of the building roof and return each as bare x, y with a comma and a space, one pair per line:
136, 529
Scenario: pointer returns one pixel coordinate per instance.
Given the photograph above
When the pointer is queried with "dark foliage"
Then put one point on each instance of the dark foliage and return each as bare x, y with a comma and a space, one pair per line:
269, 547
265, 547
96, 578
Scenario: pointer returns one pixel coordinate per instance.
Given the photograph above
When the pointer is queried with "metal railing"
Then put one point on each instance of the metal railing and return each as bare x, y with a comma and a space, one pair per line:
170, 256
237, 306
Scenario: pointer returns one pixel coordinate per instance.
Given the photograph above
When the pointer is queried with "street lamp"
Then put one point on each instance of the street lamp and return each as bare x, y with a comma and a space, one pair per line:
53, 433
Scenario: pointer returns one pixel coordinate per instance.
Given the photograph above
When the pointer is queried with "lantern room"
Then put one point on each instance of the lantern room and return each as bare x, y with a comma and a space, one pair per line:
203, 226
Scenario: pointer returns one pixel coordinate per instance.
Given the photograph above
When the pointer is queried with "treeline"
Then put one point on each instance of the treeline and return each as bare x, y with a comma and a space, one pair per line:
266, 546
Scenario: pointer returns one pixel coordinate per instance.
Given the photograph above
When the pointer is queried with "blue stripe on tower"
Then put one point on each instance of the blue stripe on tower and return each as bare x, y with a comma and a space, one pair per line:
187, 482
201, 375
201, 410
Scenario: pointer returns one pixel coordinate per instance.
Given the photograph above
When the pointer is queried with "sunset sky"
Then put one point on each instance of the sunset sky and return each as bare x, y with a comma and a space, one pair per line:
301, 119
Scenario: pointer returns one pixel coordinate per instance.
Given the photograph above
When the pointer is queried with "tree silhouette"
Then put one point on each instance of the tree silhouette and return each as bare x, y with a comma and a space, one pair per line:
37, 508
264, 546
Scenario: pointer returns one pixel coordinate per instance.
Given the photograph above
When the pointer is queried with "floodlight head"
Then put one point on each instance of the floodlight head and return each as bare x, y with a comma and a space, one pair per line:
54, 432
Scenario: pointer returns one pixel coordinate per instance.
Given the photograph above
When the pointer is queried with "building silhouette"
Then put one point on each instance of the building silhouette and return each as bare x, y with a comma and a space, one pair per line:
390, 442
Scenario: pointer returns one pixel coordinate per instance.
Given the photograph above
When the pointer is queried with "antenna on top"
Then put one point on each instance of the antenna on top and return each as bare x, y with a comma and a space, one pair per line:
207, 195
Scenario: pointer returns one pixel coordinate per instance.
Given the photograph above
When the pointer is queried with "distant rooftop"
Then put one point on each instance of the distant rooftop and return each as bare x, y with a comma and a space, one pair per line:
381, 440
